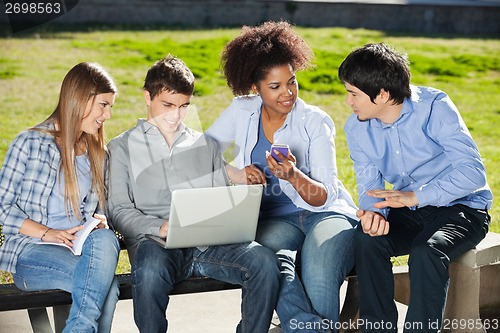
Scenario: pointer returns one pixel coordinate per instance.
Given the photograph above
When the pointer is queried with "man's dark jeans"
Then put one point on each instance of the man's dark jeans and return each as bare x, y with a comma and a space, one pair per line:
433, 237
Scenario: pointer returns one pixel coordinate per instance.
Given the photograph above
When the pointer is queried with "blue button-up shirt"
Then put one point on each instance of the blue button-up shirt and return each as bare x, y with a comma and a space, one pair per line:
428, 150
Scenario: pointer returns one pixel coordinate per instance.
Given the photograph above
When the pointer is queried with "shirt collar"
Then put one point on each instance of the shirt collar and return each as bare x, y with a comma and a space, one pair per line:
405, 109
256, 115
148, 128
47, 137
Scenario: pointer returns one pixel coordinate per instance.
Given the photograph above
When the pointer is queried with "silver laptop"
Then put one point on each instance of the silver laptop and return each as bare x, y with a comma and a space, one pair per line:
212, 216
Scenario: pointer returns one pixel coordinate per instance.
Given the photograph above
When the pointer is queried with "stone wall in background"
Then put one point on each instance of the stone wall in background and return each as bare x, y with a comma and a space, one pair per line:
413, 18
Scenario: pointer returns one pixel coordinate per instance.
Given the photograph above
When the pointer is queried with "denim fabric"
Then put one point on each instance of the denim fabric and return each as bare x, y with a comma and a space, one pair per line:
90, 278
325, 245
433, 236
156, 270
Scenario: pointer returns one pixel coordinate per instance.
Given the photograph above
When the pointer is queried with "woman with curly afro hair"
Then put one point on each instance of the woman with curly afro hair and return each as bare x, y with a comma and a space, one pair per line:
305, 208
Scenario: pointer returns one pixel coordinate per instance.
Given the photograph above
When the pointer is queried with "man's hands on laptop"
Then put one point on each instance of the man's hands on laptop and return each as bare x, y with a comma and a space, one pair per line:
164, 229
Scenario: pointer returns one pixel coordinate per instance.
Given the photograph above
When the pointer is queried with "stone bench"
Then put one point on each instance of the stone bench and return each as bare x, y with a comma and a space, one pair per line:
473, 301
472, 306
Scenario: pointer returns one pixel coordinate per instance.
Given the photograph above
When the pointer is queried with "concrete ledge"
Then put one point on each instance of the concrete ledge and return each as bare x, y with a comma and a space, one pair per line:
486, 253
474, 291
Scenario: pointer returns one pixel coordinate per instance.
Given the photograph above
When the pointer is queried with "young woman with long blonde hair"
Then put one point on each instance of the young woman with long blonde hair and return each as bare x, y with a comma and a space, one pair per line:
51, 183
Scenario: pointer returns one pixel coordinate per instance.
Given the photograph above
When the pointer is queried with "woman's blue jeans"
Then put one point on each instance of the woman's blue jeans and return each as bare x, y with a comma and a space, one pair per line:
325, 248
90, 278
156, 270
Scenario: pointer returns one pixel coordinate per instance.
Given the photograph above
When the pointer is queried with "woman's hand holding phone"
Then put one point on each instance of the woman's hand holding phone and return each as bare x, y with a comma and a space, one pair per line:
283, 149
281, 161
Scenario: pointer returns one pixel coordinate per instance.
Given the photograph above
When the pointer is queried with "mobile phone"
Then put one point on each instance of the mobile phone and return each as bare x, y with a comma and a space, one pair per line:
284, 149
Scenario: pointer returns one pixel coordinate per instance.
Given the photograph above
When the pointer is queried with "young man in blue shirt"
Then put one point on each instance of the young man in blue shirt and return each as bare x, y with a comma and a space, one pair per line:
415, 139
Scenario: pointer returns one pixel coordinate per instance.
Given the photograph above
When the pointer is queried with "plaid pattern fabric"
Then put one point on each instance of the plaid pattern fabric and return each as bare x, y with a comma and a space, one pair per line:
27, 177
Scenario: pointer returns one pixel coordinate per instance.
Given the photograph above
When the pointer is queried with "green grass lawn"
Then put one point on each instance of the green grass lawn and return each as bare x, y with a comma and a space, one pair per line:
33, 66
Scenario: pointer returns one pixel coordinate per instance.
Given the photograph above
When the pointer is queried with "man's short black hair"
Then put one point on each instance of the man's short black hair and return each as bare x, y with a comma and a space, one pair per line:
377, 66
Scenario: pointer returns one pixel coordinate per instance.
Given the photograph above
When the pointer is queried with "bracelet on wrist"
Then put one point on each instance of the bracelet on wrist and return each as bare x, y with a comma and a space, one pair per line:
45, 233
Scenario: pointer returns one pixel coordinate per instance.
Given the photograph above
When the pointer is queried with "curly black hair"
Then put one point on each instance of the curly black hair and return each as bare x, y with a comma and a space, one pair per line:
248, 57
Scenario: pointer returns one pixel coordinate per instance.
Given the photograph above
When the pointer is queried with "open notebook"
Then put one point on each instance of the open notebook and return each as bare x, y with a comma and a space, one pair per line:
81, 236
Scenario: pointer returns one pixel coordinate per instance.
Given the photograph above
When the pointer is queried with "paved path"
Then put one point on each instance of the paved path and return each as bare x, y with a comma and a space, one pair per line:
215, 312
